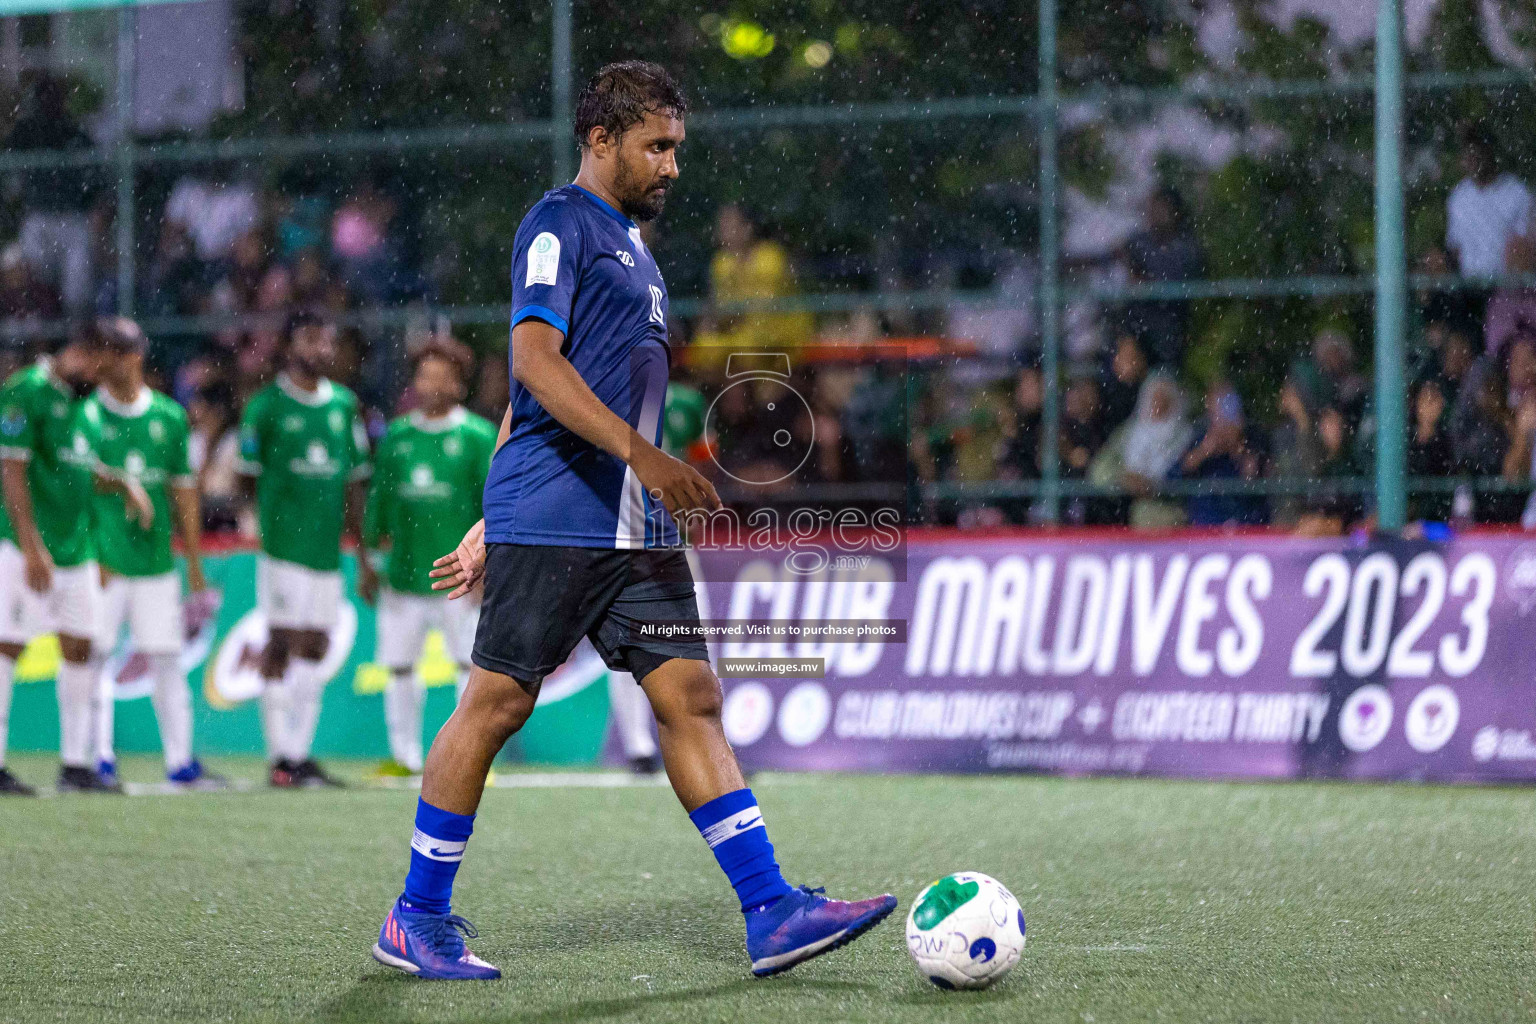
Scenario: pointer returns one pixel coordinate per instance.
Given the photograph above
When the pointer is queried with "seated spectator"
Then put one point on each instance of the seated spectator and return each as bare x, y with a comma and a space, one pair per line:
1488, 216
1520, 369
746, 267
1165, 250
1329, 511
22, 295
1429, 448
360, 244
214, 212
56, 227
1520, 462
213, 451
1122, 379
1295, 450
1332, 372
1481, 442
1140, 455
1083, 433
874, 424
1221, 453
1018, 455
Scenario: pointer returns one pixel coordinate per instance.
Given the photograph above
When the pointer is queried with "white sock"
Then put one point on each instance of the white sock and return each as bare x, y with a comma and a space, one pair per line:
276, 709
104, 714
7, 670
631, 715
403, 700
172, 698
304, 678
77, 688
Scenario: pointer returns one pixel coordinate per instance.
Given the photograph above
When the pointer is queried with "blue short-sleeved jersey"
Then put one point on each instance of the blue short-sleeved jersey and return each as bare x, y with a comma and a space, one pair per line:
579, 265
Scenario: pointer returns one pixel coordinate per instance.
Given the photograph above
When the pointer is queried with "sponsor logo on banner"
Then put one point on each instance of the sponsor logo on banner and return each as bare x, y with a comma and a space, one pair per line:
1365, 718
804, 715
1432, 719
235, 674
1494, 744
1520, 577
747, 713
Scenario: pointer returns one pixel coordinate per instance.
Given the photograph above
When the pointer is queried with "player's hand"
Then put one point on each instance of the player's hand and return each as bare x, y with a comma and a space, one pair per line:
462, 570
679, 486
39, 570
140, 508
367, 579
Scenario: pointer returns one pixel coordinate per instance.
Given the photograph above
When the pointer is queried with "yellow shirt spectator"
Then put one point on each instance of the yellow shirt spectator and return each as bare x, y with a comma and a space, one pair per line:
748, 268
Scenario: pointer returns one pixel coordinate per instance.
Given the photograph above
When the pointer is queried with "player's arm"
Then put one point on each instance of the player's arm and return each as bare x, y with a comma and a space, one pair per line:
18, 505
375, 524
135, 498
187, 506
187, 502
357, 504
539, 366
249, 464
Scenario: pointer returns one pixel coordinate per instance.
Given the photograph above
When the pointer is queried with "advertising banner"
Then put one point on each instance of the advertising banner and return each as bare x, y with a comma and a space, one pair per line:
1196, 656
221, 659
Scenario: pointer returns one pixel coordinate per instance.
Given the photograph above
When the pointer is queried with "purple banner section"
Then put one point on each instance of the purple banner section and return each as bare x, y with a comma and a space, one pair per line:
1248, 657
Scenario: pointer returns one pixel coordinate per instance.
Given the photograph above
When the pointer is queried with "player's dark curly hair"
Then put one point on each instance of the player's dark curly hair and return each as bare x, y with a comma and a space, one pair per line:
620, 95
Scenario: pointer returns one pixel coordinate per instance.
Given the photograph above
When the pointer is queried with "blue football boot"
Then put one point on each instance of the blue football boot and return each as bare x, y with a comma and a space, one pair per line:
806, 924
193, 775
430, 945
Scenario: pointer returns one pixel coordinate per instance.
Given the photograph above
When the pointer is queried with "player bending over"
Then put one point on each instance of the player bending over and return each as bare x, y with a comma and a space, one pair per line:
141, 435
49, 581
304, 454
429, 475
573, 544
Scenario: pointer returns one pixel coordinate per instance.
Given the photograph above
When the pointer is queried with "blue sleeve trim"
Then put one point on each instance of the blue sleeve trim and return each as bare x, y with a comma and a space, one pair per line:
544, 313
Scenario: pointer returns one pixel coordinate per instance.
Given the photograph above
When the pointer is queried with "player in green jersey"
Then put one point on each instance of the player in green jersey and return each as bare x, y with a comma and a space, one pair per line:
429, 475
304, 455
48, 575
141, 434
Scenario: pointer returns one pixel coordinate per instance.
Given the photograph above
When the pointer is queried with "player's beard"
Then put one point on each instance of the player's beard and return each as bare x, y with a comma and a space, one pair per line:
641, 202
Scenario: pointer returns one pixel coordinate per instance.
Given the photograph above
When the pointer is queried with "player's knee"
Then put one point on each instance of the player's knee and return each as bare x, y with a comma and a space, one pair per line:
498, 703
684, 690
74, 649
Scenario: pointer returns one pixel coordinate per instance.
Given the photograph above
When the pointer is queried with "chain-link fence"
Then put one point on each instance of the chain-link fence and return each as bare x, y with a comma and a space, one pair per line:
1132, 263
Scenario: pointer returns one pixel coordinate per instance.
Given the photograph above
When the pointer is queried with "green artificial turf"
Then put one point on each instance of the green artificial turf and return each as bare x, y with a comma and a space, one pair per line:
1145, 900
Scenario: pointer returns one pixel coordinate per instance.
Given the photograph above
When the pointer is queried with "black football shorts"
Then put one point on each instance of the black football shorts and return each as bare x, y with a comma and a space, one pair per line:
541, 600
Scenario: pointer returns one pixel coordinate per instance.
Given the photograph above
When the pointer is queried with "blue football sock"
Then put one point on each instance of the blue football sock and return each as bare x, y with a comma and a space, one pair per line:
733, 827
437, 846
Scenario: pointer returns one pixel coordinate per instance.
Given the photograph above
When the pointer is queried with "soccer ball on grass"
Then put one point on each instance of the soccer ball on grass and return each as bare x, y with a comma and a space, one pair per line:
965, 930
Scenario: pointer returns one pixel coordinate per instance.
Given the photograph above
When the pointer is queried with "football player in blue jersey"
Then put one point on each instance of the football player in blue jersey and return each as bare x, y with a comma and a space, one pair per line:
578, 540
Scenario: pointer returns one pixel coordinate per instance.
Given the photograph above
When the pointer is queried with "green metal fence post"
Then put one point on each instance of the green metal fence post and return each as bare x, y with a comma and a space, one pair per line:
127, 51
1391, 272
1050, 284
560, 94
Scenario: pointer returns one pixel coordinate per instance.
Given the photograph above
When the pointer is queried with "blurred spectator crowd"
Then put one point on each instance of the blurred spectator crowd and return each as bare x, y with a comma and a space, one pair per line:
967, 410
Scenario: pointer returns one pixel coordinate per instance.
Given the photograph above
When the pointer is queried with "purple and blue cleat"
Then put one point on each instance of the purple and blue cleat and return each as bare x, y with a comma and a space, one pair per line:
805, 924
430, 945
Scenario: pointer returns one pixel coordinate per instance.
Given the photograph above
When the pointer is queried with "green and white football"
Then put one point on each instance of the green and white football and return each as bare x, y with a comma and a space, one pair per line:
965, 930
